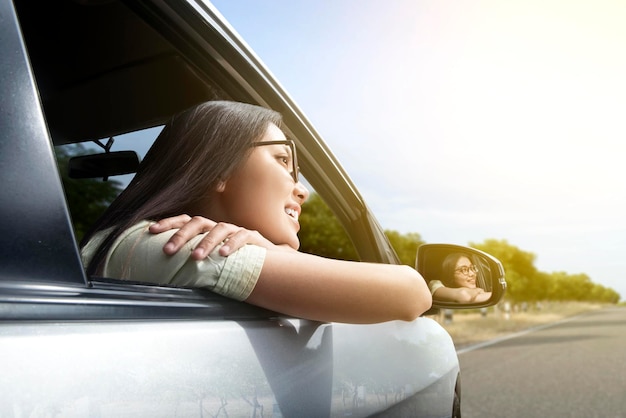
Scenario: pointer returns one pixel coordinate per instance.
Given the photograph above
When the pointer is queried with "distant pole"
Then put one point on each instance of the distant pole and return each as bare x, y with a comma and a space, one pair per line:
507, 310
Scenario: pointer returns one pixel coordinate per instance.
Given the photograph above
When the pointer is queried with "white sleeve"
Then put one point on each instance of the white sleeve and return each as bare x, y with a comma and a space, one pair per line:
434, 285
138, 255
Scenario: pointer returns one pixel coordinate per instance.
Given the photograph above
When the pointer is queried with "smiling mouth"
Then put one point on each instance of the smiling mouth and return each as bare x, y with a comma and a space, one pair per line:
292, 212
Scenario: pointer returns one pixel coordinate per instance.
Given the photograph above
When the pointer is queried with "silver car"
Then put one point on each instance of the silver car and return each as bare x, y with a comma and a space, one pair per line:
73, 71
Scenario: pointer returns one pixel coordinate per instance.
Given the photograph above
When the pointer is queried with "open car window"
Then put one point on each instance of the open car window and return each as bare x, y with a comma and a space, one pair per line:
321, 231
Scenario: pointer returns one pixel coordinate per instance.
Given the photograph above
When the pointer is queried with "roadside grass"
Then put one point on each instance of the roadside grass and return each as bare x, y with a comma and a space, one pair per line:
469, 327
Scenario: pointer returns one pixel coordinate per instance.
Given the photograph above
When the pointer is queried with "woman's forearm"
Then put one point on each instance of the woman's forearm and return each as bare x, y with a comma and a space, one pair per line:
324, 289
460, 295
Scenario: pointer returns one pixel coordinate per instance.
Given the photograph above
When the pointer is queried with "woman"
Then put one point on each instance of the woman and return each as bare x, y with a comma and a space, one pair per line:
231, 163
459, 281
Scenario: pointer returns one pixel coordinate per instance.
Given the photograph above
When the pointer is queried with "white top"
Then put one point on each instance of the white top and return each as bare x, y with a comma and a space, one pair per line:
434, 285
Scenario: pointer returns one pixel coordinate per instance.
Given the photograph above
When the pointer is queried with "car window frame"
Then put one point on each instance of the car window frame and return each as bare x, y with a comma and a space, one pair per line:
35, 222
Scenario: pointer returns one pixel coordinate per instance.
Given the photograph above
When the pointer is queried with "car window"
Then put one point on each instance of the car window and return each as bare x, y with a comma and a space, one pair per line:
321, 231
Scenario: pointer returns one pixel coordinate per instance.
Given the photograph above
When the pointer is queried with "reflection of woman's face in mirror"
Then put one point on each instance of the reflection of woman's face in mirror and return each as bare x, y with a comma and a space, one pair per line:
464, 273
460, 280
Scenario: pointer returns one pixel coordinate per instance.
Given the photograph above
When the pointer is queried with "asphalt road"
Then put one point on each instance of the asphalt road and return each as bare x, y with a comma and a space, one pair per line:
573, 368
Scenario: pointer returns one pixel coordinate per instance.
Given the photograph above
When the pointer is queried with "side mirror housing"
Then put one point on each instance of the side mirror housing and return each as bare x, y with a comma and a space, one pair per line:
478, 283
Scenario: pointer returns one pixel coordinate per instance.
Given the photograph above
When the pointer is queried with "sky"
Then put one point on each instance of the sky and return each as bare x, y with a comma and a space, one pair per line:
467, 120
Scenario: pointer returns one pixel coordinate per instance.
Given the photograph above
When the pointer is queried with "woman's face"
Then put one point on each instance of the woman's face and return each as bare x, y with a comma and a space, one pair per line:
462, 279
262, 195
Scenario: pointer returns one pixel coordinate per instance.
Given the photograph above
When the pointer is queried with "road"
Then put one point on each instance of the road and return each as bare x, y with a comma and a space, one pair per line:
573, 368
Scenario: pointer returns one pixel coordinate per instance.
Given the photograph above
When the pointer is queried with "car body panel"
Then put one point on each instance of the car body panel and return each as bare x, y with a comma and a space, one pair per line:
142, 356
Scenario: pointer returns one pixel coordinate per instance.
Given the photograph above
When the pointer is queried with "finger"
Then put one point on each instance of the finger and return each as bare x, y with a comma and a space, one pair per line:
196, 226
169, 223
204, 248
232, 244
242, 238
236, 240
217, 235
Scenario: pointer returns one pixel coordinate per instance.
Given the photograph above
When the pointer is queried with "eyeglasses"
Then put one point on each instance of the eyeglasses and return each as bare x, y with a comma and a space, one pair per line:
294, 170
466, 269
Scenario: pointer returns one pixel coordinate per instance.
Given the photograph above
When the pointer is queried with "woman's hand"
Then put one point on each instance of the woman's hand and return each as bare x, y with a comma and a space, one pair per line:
474, 294
461, 294
233, 236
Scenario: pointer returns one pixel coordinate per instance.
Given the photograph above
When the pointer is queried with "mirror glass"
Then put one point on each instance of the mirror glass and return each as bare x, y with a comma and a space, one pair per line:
460, 276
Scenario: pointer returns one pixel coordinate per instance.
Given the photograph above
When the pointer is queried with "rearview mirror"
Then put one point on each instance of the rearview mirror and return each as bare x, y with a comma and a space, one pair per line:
459, 276
103, 165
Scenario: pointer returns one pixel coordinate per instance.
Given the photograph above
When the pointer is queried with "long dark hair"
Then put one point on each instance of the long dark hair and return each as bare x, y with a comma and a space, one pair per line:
196, 150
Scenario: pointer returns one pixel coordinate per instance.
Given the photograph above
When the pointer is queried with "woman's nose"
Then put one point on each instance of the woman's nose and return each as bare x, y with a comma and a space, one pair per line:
301, 192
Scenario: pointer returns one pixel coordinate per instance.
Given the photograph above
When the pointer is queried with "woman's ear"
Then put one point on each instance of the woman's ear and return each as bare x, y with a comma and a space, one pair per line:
221, 186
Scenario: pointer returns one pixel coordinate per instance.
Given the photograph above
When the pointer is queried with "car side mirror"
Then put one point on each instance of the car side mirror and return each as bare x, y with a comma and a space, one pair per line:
460, 277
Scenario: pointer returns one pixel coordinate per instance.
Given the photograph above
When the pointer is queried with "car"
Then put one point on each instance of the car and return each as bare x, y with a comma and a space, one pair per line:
78, 71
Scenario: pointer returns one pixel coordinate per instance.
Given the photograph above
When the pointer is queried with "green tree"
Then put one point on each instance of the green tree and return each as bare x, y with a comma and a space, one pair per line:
321, 233
579, 287
526, 283
523, 278
86, 198
603, 294
405, 245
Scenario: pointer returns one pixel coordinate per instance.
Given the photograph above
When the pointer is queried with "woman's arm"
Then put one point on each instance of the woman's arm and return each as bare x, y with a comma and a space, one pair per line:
324, 289
461, 294
314, 287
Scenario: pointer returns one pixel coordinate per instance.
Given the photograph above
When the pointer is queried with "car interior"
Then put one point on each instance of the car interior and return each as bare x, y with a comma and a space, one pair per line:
94, 83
